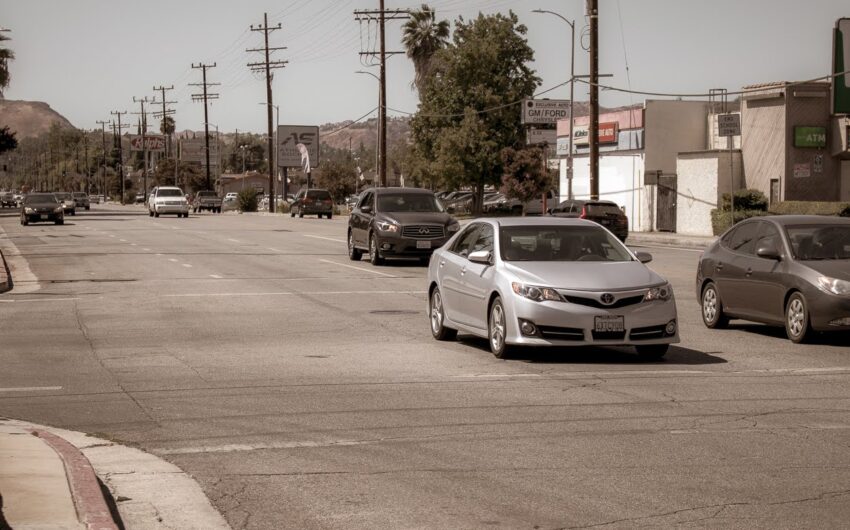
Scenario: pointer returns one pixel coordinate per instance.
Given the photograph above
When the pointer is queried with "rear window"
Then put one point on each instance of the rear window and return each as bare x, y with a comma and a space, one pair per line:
319, 195
207, 194
603, 209
41, 198
169, 193
80, 194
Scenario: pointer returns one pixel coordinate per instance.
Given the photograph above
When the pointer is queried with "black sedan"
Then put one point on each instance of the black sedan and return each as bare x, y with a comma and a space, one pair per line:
791, 271
42, 207
606, 213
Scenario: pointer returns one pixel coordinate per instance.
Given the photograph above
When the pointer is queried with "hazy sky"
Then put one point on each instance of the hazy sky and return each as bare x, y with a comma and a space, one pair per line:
87, 57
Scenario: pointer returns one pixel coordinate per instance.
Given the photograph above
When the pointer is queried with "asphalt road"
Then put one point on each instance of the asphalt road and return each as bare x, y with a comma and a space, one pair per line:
304, 391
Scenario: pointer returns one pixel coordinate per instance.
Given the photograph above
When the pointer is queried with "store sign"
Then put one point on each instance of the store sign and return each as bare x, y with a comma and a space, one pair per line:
541, 136
289, 137
810, 137
802, 171
539, 111
152, 143
195, 150
607, 134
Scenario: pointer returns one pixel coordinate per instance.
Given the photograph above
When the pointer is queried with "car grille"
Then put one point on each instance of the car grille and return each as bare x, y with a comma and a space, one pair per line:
648, 333
556, 333
609, 335
423, 231
172, 203
592, 302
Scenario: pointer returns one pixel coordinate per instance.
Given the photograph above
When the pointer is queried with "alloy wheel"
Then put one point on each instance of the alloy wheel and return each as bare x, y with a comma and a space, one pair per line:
709, 304
497, 327
796, 317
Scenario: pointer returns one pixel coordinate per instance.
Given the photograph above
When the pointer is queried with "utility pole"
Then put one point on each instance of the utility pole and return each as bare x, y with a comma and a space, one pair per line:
164, 113
143, 116
381, 16
267, 66
103, 125
593, 13
86, 156
205, 97
117, 134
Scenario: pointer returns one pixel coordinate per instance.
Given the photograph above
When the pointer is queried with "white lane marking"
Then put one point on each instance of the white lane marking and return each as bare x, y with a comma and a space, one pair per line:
122, 240
133, 245
291, 293
173, 260
37, 300
216, 276
274, 249
230, 448
497, 375
111, 235
202, 295
187, 265
158, 254
146, 249
30, 388
233, 240
638, 245
357, 268
325, 238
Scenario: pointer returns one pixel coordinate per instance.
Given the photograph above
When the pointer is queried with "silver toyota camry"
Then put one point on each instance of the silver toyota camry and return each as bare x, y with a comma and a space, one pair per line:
548, 282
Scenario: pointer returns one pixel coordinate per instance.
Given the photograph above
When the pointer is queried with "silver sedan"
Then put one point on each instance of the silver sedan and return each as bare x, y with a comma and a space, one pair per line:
548, 282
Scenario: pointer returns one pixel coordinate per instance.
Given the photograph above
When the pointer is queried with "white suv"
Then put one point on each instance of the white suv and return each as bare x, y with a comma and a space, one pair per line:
168, 199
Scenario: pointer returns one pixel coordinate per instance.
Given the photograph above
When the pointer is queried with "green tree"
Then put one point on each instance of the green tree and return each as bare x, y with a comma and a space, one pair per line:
8, 142
469, 106
6, 55
338, 177
422, 37
167, 125
526, 176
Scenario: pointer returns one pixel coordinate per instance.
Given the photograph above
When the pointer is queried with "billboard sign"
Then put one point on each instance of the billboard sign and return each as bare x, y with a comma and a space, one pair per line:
153, 143
194, 150
539, 111
810, 137
288, 139
608, 133
841, 63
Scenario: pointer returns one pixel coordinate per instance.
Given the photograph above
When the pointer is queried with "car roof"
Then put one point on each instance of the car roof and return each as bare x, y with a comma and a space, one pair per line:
382, 191
536, 221
785, 220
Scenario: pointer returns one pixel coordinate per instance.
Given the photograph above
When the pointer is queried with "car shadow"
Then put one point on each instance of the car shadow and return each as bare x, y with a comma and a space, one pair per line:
825, 338
621, 355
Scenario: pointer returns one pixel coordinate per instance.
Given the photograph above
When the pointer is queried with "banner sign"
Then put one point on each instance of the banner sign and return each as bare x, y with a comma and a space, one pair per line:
288, 139
810, 137
194, 150
538, 111
541, 136
153, 143
729, 125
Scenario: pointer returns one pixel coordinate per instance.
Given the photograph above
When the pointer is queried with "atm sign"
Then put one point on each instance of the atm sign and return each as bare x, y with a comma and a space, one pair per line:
810, 137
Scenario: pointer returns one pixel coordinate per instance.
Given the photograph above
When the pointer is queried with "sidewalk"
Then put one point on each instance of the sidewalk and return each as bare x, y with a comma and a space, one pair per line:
669, 239
49, 480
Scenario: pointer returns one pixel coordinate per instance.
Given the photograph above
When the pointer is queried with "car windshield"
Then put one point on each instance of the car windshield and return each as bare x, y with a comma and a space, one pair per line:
169, 193
603, 209
819, 242
206, 194
560, 243
41, 198
80, 194
62, 196
408, 202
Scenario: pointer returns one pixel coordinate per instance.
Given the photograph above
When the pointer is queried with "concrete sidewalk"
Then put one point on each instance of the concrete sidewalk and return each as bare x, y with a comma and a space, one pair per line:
669, 239
49, 480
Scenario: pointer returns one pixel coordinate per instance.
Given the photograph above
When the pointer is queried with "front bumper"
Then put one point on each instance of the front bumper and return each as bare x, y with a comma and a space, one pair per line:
44, 217
825, 308
394, 244
171, 208
314, 209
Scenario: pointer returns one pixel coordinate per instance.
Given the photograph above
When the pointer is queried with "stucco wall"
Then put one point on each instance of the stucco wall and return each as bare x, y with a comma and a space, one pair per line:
673, 127
702, 179
763, 144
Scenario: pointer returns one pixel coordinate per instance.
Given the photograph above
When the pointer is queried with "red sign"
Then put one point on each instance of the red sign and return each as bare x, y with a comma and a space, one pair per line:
607, 134
152, 143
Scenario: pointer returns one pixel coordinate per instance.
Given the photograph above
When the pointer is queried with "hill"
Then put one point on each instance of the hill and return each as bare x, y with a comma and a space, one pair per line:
30, 118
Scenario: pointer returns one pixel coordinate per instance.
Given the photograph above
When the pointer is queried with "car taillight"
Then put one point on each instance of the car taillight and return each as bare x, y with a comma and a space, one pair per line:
308, 201
583, 213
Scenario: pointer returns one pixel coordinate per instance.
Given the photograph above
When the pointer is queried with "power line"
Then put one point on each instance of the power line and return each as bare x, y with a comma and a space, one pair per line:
205, 96
116, 132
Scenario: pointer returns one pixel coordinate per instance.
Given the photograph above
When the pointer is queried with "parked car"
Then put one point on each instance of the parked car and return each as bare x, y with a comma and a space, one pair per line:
168, 200
67, 201
398, 222
548, 282
140, 197
313, 202
19, 198
500, 204
94, 199
791, 271
7, 199
42, 207
206, 200
606, 213
82, 200
535, 206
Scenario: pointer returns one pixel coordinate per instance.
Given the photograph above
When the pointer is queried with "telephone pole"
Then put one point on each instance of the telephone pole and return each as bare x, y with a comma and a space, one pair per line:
381, 16
593, 13
116, 132
165, 112
267, 66
103, 125
144, 127
205, 97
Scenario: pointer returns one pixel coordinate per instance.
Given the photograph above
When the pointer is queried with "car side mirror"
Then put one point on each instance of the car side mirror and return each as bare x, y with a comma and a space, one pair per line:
644, 257
768, 252
450, 210
481, 256
366, 209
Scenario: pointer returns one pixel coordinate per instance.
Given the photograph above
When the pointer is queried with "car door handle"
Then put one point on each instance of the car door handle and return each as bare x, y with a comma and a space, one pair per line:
718, 267
463, 271
442, 262
749, 272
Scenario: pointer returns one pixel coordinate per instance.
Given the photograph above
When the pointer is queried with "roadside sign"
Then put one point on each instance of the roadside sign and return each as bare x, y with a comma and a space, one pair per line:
153, 143
194, 150
802, 171
608, 133
288, 138
810, 137
537, 111
729, 125
541, 136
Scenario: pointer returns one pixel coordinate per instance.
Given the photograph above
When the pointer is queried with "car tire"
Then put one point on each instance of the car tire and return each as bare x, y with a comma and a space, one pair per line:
354, 253
24, 221
712, 308
330, 216
318, 216
798, 326
60, 222
652, 352
374, 253
88, 208
436, 317
73, 212
497, 330
156, 214
292, 212
300, 214
150, 213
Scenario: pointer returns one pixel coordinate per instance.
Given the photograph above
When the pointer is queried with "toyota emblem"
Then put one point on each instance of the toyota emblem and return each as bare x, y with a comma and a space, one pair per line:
607, 298
424, 231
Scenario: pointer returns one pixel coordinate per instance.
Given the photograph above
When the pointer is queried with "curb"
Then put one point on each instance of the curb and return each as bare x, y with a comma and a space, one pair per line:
91, 507
5, 277
643, 238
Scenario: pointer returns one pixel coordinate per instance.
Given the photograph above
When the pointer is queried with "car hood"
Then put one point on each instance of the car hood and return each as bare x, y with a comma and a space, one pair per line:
585, 276
408, 218
834, 268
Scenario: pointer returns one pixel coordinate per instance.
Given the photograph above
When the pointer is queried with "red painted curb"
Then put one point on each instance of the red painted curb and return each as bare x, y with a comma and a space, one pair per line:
92, 510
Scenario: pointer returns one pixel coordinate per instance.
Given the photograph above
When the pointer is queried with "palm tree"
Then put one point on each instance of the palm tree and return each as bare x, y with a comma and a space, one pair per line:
6, 55
423, 37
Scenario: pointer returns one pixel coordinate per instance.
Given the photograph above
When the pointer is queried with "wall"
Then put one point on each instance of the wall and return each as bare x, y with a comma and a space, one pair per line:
673, 127
845, 180
702, 179
763, 144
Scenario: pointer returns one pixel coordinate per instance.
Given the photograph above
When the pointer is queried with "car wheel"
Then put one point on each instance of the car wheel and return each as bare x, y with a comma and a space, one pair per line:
300, 214
712, 308
374, 254
60, 222
319, 216
150, 213
330, 216
437, 317
292, 212
497, 330
25, 221
652, 352
797, 324
156, 214
354, 254
73, 212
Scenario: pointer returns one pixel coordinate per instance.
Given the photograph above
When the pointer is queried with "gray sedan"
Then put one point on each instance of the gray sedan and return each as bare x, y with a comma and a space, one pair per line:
791, 271
548, 282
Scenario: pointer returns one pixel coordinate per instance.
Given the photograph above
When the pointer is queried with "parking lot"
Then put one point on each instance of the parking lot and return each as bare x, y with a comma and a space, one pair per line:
303, 390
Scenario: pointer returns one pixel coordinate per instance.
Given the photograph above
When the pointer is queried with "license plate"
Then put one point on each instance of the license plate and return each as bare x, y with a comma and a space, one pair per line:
609, 324
423, 244
43, 217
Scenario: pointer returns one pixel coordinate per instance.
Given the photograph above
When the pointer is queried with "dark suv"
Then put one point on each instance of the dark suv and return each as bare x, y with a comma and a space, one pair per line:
313, 202
606, 213
398, 222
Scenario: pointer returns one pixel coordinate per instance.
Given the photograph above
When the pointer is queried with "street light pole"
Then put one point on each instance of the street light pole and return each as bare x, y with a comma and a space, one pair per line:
379, 125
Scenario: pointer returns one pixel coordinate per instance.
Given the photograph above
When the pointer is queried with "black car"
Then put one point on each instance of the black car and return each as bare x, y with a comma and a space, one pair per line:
313, 202
398, 222
606, 213
42, 207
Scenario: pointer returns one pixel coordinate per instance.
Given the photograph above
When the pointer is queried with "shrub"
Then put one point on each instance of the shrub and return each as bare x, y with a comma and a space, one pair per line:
745, 200
282, 207
811, 208
247, 200
721, 221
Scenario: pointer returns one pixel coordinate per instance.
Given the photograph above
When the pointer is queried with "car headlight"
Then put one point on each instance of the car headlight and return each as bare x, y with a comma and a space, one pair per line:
58, 209
384, 226
29, 210
834, 286
454, 226
663, 293
538, 294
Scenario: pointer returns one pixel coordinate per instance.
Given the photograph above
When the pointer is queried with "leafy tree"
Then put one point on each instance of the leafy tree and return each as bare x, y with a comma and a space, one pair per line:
468, 107
338, 177
190, 176
422, 37
167, 125
8, 142
254, 152
247, 200
6, 55
526, 176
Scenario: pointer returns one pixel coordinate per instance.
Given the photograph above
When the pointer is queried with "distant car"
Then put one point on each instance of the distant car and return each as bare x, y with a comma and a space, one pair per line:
19, 198
168, 200
206, 200
82, 200
791, 271
67, 201
7, 199
500, 204
535, 206
94, 199
313, 202
42, 207
140, 198
398, 222
548, 282
606, 213
351, 201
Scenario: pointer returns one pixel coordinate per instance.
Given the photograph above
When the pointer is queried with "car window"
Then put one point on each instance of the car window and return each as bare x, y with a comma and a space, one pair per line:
744, 238
408, 202
768, 236
465, 240
169, 193
484, 241
820, 242
365, 199
320, 195
603, 209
